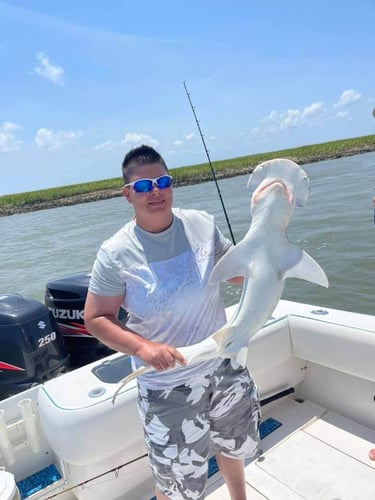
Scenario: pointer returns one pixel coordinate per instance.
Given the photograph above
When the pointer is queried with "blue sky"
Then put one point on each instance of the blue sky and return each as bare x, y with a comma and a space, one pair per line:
82, 82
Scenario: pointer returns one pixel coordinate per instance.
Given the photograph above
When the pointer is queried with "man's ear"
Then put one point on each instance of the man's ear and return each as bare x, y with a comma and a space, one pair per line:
126, 192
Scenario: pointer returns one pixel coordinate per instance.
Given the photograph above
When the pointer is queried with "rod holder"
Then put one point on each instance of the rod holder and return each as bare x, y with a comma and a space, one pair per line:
29, 422
6, 447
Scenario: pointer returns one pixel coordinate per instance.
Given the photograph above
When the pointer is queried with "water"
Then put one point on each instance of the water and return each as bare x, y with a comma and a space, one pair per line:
336, 227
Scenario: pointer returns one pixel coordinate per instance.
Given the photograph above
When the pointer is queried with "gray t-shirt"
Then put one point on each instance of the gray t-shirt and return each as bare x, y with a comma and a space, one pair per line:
164, 279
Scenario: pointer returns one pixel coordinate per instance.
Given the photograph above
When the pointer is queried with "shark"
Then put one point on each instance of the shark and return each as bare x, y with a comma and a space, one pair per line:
264, 257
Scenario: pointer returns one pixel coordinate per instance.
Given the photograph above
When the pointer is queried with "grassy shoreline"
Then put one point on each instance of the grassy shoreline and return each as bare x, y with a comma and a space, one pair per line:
111, 188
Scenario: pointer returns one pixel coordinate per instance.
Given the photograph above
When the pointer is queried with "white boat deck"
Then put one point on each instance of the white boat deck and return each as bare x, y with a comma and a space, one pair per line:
319, 451
314, 454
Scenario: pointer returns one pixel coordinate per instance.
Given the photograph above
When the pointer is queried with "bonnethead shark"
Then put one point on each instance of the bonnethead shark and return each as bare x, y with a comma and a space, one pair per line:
264, 257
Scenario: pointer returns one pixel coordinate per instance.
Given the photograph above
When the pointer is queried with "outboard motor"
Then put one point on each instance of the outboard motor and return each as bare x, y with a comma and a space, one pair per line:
65, 297
31, 347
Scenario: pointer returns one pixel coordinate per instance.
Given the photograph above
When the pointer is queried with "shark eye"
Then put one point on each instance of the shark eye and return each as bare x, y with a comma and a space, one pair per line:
229, 343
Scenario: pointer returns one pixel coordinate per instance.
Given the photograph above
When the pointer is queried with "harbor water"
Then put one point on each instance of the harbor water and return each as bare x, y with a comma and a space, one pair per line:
336, 228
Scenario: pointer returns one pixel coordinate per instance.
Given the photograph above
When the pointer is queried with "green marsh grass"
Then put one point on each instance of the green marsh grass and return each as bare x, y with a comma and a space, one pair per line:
188, 174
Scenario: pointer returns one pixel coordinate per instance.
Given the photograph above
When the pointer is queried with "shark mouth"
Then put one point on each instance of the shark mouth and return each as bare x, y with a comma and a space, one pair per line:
260, 190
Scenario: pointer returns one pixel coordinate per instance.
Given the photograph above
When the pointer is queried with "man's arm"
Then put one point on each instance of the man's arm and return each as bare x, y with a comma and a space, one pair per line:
101, 321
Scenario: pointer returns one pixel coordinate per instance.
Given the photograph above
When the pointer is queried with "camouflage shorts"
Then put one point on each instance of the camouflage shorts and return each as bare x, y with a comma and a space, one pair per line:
181, 425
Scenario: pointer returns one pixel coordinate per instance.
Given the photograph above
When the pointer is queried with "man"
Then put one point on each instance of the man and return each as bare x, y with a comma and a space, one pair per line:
157, 267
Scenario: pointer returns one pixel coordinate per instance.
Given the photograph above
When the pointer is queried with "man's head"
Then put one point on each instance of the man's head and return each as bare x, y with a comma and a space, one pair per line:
148, 187
137, 157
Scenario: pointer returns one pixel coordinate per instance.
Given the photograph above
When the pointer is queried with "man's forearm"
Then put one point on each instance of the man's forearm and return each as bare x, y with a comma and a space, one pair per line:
111, 332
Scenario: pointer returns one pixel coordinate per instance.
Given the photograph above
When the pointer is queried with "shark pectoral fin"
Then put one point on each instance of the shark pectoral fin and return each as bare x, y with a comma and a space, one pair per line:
241, 357
234, 263
307, 269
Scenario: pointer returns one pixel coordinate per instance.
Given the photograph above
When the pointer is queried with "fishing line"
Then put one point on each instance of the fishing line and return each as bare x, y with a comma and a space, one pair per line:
210, 163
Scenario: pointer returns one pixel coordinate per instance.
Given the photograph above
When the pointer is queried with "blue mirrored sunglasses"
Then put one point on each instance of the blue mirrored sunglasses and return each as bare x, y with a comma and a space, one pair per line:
147, 185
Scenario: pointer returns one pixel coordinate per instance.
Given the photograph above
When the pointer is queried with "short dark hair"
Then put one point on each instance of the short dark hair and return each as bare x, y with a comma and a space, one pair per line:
142, 155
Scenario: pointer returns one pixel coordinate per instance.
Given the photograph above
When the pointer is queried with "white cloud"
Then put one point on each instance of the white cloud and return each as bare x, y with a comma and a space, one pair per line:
48, 70
8, 142
188, 137
131, 139
50, 140
292, 118
347, 97
342, 114
107, 146
315, 109
10, 126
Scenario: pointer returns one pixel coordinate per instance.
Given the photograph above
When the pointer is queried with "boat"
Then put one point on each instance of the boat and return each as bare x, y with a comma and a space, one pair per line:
39, 341
315, 370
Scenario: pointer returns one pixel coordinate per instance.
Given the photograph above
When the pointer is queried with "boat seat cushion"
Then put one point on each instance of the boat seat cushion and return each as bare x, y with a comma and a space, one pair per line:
336, 346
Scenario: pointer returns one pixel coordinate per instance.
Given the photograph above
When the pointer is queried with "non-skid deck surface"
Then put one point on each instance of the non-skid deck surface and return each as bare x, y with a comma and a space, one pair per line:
314, 455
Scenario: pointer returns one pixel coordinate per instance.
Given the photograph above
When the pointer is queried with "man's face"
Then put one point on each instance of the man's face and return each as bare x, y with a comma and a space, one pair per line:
155, 204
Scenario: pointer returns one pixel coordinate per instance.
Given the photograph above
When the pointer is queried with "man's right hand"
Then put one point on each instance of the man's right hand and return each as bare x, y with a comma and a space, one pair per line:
159, 356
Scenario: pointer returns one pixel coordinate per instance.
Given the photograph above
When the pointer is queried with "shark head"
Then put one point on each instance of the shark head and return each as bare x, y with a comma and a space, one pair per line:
272, 200
280, 174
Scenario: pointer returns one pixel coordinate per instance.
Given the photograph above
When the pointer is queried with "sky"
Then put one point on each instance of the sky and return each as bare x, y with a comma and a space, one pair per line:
84, 81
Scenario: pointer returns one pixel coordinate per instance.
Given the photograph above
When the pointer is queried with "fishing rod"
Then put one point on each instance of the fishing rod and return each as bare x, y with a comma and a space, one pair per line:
210, 163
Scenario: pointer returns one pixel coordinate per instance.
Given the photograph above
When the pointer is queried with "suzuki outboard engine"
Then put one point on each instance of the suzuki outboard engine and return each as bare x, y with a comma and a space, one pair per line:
65, 297
31, 347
